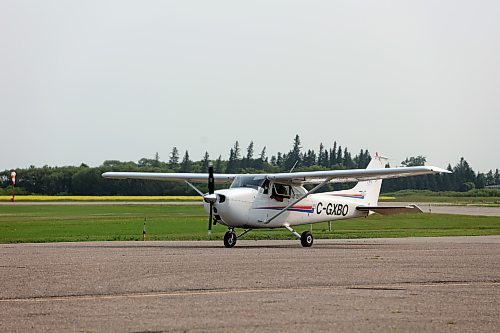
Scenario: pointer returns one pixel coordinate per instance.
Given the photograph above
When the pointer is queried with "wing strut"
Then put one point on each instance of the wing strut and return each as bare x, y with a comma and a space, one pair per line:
298, 200
194, 188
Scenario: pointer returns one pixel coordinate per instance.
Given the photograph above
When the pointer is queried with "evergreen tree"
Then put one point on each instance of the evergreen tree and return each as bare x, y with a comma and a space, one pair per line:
250, 151
309, 158
174, 158
321, 154
325, 161
368, 158
464, 175
359, 160
279, 160
84, 179
236, 150
231, 163
186, 163
348, 162
333, 155
480, 180
338, 158
262, 156
274, 160
448, 180
414, 161
205, 162
247, 161
294, 155
490, 179
218, 165
362, 160
432, 182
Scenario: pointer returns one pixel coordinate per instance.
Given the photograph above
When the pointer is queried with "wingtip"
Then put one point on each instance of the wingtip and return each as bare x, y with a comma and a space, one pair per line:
107, 175
440, 170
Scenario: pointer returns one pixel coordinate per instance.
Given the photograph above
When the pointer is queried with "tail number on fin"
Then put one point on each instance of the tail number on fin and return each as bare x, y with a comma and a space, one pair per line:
332, 209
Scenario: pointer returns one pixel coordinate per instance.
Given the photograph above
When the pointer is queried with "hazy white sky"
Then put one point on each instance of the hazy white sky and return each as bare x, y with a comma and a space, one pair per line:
86, 81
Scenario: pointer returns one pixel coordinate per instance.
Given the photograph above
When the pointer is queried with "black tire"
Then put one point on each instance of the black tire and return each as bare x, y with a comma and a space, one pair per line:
306, 239
229, 239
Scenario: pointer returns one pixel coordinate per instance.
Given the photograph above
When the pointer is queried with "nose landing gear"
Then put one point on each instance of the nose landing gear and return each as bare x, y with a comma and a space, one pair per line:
230, 239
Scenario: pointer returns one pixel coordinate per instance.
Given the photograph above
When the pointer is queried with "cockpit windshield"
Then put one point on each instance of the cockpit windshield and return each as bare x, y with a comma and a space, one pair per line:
248, 181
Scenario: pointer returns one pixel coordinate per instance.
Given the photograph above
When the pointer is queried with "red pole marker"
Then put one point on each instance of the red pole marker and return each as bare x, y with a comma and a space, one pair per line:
13, 176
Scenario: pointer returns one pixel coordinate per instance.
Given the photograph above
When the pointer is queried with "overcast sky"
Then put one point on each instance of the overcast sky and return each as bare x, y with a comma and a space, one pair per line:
88, 81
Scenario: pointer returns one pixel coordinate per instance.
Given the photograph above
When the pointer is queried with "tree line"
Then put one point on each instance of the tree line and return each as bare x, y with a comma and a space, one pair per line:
85, 180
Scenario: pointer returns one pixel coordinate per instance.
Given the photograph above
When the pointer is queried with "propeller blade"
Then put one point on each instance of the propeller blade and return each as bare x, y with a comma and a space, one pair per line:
211, 181
210, 221
211, 190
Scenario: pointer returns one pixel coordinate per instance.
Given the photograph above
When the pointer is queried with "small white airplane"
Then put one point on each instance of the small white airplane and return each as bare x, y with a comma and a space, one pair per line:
279, 200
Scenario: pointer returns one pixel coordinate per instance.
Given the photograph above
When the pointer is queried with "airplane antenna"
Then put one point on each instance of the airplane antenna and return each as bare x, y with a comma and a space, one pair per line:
297, 161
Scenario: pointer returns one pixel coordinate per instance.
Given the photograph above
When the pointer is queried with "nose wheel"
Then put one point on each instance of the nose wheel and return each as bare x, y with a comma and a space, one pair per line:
230, 239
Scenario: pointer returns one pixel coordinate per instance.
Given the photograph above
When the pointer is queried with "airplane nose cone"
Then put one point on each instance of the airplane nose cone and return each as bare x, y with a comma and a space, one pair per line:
210, 198
232, 206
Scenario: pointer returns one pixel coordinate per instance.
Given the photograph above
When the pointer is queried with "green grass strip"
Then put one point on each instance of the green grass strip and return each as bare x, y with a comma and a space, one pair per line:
125, 222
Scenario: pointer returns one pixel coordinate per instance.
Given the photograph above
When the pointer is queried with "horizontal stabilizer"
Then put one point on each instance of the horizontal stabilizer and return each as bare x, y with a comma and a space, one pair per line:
390, 210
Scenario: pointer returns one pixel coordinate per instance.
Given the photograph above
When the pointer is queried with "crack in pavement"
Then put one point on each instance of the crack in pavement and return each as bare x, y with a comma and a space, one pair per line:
397, 286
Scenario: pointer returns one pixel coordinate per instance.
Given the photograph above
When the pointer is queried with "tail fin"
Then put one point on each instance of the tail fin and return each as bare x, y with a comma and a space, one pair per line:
369, 190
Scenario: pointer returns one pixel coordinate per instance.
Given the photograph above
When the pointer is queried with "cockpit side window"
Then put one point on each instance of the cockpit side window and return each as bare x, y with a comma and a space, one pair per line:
265, 187
281, 191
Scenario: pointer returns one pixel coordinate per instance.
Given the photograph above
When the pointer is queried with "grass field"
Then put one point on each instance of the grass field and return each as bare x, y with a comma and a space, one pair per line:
125, 222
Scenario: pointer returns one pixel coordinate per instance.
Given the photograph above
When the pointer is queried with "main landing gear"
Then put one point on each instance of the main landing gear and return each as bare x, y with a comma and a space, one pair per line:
306, 239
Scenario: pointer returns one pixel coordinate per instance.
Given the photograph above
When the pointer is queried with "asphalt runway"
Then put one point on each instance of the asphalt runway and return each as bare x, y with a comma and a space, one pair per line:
443, 208
449, 284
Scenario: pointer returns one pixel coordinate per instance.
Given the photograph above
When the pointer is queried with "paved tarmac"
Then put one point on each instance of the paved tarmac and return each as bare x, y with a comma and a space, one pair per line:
444, 208
449, 284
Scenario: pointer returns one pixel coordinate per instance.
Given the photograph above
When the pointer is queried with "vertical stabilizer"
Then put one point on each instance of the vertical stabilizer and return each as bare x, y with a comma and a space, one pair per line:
367, 191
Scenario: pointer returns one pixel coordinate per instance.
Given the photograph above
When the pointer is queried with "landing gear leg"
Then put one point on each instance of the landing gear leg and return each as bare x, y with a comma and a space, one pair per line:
306, 239
230, 238
244, 233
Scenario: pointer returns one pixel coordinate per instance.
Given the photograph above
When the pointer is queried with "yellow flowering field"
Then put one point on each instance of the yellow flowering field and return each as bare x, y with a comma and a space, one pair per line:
386, 198
100, 198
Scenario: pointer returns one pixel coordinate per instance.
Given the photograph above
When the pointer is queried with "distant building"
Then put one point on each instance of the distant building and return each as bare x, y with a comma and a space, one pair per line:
493, 186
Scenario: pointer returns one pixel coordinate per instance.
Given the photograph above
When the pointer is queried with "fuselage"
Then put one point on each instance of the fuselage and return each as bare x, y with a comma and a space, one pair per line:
245, 207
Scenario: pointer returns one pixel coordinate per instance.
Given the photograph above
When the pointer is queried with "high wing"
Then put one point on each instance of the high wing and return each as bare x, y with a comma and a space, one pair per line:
308, 177
354, 175
190, 177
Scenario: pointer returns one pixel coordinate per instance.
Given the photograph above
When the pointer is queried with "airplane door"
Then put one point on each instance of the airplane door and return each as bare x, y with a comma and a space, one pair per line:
260, 205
